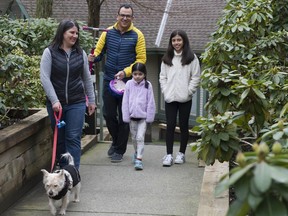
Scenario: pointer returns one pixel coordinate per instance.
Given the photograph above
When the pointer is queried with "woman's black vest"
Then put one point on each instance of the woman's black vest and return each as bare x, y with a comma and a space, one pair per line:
66, 76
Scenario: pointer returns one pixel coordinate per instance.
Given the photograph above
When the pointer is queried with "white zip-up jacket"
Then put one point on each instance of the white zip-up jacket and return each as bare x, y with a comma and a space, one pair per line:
179, 83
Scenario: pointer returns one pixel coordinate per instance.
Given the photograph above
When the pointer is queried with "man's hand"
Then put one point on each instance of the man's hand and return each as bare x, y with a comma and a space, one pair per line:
120, 75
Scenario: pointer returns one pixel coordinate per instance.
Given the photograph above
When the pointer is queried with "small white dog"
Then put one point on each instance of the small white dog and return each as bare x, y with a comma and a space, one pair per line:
61, 183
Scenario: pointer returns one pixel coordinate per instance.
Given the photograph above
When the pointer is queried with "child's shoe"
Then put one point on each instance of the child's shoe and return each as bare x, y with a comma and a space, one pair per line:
138, 165
168, 160
180, 158
134, 157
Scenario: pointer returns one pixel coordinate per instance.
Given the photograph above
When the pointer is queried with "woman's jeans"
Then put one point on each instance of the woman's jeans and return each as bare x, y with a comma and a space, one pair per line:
69, 136
171, 111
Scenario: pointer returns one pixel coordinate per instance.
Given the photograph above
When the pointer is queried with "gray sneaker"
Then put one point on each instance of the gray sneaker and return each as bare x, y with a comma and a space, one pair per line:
138, 165
111, 151
116, 158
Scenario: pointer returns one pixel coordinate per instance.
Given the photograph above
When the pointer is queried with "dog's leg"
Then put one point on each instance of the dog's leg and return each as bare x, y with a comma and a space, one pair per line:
52, 207
65, 202
77, 192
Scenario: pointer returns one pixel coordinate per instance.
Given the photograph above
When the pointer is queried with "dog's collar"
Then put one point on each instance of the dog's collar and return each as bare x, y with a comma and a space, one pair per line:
63, 192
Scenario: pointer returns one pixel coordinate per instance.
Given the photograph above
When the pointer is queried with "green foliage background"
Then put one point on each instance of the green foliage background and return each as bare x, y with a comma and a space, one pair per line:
22, 43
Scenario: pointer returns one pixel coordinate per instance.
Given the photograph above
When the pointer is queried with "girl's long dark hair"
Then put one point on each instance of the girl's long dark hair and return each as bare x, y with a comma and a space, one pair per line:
142, 68
63, 26
187, 54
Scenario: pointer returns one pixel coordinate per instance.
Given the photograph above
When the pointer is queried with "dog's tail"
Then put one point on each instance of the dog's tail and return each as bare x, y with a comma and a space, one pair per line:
69, 158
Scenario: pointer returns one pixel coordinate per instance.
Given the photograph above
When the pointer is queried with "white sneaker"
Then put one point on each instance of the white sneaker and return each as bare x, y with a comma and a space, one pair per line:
168, 160
180, 158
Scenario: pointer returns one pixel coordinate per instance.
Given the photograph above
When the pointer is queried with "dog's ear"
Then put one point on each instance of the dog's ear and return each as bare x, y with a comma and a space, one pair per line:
45, 172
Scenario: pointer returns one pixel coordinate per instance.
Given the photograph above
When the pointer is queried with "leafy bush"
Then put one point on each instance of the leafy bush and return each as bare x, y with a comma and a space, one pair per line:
245, 73
22, 43
260, 182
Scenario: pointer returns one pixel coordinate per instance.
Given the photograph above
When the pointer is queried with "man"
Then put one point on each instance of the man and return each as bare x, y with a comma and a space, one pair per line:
124, 45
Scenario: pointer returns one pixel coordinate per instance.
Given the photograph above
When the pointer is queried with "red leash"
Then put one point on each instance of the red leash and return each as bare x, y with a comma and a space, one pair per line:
57, 118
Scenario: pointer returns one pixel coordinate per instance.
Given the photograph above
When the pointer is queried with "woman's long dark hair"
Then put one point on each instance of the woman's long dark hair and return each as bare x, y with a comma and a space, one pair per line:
142, 68
63, 26
187, 54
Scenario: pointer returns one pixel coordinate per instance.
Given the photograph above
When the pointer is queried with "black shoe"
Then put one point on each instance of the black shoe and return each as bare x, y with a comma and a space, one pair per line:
111, 151
116, 158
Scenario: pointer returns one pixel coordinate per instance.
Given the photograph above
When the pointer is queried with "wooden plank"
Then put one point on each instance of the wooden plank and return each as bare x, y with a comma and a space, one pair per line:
23, 129
177, 129
210, 205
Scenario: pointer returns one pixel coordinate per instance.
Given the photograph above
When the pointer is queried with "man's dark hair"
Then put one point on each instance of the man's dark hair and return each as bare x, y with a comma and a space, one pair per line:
127, 6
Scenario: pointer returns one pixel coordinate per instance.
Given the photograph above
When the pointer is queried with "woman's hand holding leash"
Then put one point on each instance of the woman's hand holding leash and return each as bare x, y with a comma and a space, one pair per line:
57, 107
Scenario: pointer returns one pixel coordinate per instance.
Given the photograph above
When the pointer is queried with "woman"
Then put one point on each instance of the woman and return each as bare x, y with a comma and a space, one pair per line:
66, 81
179, 79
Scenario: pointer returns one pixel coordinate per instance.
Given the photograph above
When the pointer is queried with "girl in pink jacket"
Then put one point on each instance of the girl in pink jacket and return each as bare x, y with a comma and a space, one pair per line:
138, 109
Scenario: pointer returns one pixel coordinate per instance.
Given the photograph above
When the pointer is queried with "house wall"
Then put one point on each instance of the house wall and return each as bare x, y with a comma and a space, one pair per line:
153, 71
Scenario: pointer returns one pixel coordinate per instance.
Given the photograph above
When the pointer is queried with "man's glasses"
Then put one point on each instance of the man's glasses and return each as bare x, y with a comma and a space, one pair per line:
127, 16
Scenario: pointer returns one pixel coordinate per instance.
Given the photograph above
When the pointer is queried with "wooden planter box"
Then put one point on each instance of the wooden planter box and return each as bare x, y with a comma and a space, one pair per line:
25, 148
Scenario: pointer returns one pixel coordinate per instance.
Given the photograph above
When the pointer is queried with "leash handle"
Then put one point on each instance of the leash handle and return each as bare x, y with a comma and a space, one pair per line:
57, 118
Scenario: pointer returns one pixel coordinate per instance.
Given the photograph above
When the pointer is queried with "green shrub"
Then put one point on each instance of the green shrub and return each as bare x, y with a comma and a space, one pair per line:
246, 75
22, 43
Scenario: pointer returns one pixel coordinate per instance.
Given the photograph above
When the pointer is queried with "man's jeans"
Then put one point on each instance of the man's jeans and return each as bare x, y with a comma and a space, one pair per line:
112, 111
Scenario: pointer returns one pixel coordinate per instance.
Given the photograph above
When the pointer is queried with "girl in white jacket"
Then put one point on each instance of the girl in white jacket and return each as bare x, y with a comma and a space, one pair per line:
179, 79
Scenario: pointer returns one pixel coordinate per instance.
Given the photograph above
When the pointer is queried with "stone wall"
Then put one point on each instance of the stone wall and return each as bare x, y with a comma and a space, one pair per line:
25, 148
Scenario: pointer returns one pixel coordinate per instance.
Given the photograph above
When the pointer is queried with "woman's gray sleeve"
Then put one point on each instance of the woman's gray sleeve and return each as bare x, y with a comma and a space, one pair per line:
87, 80
45, 74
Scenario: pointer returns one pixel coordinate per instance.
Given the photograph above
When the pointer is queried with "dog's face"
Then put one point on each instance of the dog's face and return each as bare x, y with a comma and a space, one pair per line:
53, 182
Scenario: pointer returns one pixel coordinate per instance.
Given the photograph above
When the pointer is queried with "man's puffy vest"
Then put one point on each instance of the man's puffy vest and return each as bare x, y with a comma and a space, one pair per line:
66, 75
